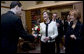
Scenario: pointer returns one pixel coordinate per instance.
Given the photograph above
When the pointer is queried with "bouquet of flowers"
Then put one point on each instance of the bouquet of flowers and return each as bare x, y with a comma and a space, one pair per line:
36, 33
36, 30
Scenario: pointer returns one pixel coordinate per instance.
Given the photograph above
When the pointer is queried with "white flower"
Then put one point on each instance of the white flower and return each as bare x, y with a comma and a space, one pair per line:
36, 27
39, 35
32, 28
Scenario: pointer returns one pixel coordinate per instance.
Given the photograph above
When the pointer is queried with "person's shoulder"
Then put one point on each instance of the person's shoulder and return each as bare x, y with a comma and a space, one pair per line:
4, 14
53, 22
15, 18
41, 23
10, 15
79, 23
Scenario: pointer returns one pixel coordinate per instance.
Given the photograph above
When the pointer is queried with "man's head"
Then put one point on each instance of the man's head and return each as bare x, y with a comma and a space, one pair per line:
68, 18
16, 5
54, 15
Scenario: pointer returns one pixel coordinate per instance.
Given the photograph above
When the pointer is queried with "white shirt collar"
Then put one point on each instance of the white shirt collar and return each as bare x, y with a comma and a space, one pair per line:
13, 10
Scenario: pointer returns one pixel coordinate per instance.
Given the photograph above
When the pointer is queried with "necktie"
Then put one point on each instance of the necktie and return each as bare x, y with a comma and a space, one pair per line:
46, 30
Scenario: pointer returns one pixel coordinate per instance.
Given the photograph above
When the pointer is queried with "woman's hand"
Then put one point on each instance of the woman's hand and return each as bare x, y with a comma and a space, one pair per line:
57, 24
73, 37
35, 35
46, 38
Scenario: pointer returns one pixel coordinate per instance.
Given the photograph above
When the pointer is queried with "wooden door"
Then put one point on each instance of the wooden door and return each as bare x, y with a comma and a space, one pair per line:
28, 21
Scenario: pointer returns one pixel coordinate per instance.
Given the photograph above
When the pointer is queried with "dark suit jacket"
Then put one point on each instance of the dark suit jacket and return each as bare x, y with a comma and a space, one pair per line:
65, 26
82, 39
11, 29
76, 31
60, 29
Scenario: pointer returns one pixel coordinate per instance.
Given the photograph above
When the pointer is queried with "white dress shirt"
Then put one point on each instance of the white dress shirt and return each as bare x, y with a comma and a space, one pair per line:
52, 31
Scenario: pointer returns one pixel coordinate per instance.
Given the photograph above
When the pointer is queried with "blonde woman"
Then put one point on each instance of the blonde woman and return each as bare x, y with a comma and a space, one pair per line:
49, 32
72, 38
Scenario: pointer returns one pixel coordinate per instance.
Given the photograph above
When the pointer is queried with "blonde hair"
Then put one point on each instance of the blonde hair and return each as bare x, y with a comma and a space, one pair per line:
49, 13
76, 13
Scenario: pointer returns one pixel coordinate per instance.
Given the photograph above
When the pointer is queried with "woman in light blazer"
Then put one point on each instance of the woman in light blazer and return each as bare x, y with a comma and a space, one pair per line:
49, 32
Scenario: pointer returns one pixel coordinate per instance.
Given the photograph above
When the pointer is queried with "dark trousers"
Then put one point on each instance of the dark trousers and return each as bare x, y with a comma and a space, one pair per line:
48, 48
58, 40
58, 46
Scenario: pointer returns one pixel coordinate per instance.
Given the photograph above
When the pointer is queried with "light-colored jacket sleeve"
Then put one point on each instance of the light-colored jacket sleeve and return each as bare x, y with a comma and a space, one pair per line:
40, 29
55, 32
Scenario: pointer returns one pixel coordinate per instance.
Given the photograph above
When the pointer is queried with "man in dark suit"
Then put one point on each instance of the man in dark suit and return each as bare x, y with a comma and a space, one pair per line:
12, 28
60, 31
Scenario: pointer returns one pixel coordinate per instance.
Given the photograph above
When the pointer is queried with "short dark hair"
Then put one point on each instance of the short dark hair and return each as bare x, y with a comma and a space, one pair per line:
15, 3
55, 13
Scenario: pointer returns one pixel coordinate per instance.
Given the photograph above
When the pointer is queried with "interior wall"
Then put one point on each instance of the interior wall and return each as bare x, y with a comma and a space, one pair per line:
79, 6
7, 3
4, 10
23, 19
65, 9
27, 5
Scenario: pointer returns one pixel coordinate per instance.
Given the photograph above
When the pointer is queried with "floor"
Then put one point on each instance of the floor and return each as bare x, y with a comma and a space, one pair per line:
36, 50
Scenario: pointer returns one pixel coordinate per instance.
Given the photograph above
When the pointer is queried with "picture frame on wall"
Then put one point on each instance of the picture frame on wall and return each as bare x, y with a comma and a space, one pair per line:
39, 2
4, 2
56, 1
